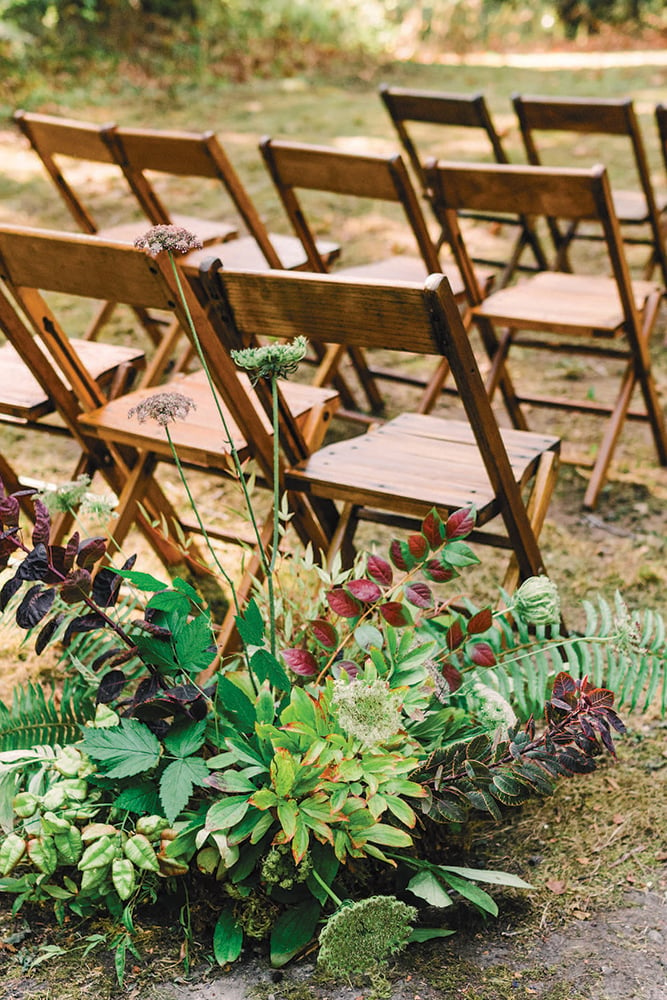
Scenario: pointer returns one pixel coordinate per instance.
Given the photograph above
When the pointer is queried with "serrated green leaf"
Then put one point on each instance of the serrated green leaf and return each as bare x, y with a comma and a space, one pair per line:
268, 668
230, 699
171, 602
142, 799
250, 624
139, 580
124, 750
227, 812
177, 783
195, 646
183, 740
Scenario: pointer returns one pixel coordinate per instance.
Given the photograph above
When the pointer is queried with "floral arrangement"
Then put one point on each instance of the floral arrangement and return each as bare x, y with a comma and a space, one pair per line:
331, 744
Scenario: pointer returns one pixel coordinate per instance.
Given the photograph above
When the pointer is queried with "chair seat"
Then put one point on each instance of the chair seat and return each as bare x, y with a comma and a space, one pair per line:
244, 253
413, 463
630, 206
552, 300
199, 439
22, 396
208, 230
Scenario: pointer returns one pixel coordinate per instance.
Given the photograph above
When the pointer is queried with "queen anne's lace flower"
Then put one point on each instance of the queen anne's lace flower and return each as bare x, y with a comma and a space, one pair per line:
272, 360
168, 239
361, 936
163, 407
369, 710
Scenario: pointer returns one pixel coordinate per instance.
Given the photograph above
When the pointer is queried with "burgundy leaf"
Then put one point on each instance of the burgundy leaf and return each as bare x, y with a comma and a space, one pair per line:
9, 588
396, 614
460, 523
110, 687
71, 550
482, 655
112, 657
435, 571
350, 667
564, 685
399, 554
452, 676
364, 590
380, 570
76, 586
35, 566
418, 546
46, 633
9, 511
36, 603
433, 529
82, 623
601, 698
324, 633
455, 636
480, 622
91, 551
419, 594
41, 532
300, 661
343, 604
106, 587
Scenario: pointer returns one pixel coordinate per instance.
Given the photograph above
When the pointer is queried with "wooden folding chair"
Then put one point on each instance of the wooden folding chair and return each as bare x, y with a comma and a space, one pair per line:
37, 261
448, 119
299, 167
396, 472
151, 157
582, 314
68, 148
543, 119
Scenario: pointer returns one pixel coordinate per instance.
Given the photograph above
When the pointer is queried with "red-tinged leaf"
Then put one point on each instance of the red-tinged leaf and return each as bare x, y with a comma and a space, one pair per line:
380, 571
564, 685
460, 523
300, 661
324, 633
343, 604
396, 614
482, 655
364, 590
76, 586
90, 552
418, 545
601, 698
41, 532
71, 550
399, 553
433, 529
9, 511
434, 570
452, 676
455, 636
480, 622
419, 594
349, 666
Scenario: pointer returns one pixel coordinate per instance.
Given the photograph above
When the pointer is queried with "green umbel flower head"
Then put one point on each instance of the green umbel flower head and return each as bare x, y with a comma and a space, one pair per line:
537, 602
273, 360
361, 936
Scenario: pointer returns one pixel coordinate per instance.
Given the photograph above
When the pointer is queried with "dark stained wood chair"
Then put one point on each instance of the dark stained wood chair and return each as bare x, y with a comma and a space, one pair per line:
580, 122
298, 168
396, 472
583, 314
34, 262
444, 121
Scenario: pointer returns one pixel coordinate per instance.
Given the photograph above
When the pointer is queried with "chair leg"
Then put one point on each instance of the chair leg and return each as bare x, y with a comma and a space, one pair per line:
537, 506
609, 440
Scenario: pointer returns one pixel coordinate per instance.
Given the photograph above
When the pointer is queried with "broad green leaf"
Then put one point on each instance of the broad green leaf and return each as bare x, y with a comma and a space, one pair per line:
425, 885
283, 772
142, 581
177, 782
427, 933
170, 602
185, 739
195, 647
227, 812
124, 750
230, 699
287, 814
227, 938
471, 892
187, 589
492, 876
292, 931
389, 836
368, 635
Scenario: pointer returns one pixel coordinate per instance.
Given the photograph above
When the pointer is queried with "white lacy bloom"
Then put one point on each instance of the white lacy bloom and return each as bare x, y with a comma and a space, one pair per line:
369, 710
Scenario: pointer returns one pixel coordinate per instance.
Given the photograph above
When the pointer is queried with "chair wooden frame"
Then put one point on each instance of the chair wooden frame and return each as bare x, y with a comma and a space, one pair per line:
634, 208
296, 167
395, 473
592, 315
450, 111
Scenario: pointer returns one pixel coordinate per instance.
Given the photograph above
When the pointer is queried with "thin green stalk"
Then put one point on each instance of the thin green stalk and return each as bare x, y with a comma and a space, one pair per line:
330, 893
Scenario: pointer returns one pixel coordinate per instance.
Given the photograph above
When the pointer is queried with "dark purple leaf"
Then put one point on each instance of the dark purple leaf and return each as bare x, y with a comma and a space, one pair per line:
36, 603
158, 631
46, 633
110, 687
324, 633
455, 636
35, 566
300, 662
349, 666
343, 604
380, 571
482, 655
71, 550
452, 676
90, 552
76, 586
112, 657
419, 594
41, 532
396, 614
460, 523
400, 555
564, 685
601, 698
364, 590
9, 588
83, 623
106, 587
9, 511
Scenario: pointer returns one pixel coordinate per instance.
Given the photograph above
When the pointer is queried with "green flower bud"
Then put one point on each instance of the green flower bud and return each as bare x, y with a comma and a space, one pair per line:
537, 602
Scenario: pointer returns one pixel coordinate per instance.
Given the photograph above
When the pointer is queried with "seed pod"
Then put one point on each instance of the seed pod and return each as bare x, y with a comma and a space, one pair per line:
51, 823
76, 789
96, 830
151, 826
12, 850
42, 853
139, 850
55, 797
93, 878
123, 876
68, 762
25, 804
171, 866
69, 846
99, 854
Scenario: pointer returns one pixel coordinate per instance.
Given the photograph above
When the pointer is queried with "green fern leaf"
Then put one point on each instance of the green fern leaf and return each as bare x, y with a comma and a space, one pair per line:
35, 719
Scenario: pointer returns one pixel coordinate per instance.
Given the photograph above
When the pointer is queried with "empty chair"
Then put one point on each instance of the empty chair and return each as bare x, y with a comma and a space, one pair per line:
299, 167
397, 472
639, 211
451, 119
149, 158
576, 315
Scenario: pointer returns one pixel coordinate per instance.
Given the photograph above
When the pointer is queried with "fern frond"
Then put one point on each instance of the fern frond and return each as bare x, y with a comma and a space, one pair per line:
35, 719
